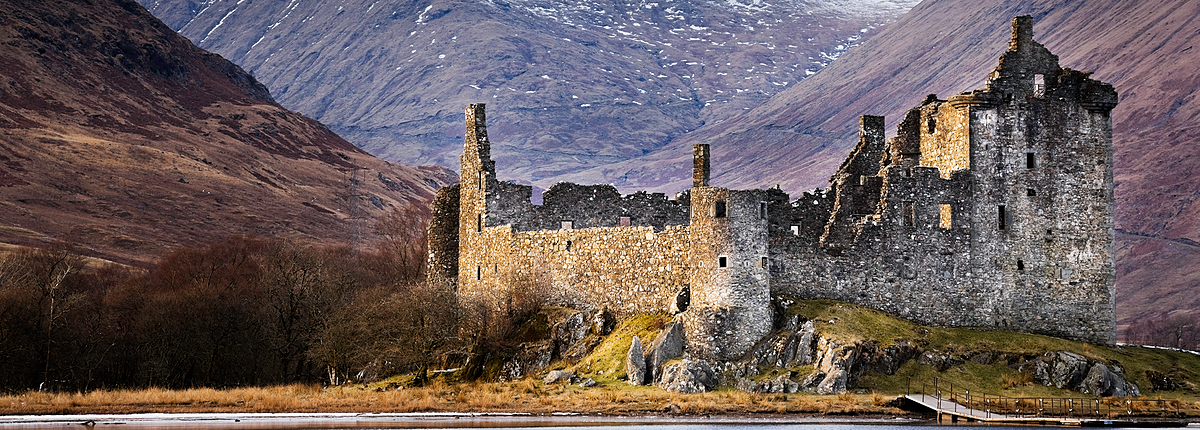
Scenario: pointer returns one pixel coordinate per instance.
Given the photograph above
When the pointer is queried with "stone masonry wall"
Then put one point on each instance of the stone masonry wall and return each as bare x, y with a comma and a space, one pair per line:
730, 291
992, 208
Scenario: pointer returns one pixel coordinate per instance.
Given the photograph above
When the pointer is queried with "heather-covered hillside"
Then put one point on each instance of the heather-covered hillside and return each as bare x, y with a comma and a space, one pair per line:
122, 137
570, 86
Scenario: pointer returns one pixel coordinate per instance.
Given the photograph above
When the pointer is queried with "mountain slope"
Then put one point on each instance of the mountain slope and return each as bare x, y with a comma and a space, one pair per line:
121, 136
1147, 50
570, 85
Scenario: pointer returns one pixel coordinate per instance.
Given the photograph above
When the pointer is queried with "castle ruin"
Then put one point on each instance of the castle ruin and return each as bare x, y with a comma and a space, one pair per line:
991, 209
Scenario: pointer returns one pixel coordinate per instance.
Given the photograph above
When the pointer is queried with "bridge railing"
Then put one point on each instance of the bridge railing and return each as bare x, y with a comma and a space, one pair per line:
1081, 407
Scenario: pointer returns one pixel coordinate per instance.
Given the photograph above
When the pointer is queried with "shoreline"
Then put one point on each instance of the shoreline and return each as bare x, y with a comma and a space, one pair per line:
411, 420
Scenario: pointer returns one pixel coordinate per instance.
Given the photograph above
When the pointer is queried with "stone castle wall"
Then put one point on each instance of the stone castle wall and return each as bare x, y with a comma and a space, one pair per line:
990, 209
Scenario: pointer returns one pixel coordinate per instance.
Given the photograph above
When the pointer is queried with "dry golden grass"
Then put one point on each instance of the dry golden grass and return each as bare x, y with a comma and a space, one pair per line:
521, 396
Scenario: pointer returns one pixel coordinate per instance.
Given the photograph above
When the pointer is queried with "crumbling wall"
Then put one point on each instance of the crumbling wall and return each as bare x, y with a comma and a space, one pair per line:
442, 266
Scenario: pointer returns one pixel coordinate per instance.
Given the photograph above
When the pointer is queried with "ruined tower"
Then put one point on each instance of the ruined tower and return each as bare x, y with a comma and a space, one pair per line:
1040, 149
730, 289
478, 176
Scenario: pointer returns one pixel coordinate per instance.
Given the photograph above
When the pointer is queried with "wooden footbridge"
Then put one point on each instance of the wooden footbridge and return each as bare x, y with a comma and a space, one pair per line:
952, 406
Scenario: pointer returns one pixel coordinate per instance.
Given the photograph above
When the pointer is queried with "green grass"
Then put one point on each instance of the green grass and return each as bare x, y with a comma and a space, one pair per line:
850, 323
606, 363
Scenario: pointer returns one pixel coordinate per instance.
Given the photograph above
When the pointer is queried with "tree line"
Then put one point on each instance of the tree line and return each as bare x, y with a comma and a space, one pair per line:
243, 311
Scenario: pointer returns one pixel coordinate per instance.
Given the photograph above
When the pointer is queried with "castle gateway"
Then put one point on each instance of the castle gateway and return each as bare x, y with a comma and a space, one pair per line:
991, 209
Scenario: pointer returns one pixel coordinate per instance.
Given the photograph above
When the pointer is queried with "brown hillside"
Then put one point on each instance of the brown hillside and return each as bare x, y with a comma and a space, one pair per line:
570, 85
1147, 50
119, 135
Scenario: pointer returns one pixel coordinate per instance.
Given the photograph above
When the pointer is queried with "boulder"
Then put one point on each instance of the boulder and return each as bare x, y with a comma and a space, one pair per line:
668, 345
791, 346
834, 361
1060, 369
568, 332
602, 322
1104, 381
556, 376
531, 358
588, 383
779, 384
688, 376
635, 363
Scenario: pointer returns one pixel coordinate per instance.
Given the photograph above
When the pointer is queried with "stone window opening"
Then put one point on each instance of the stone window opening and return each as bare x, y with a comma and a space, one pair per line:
762, 210
908, 214
624, 221
568, 224
862, 180
1039, 85
496, 268
478, 273
763, 262
1003, 218
945, 216
931, 125
719, 210
722, 261
795, 230
479, 222
1020, 265
482, 180
1030, 160
1030, 192
568, 247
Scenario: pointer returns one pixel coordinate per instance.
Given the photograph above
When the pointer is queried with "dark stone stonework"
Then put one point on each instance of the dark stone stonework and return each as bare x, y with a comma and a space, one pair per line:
992, 208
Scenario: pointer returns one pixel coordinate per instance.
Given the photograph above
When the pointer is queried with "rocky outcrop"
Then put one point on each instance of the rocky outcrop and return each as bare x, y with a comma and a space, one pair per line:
667, 345
1105, 381
556, 376
530, 358
570, 339
635, 363
1061, 369
688, 376
835, 361
792, 346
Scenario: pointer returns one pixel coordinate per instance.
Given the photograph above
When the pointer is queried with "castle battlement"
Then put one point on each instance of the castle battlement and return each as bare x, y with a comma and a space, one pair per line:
992, 208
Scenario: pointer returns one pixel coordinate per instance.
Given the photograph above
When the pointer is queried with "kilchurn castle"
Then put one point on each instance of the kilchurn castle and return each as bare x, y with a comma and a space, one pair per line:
992, 208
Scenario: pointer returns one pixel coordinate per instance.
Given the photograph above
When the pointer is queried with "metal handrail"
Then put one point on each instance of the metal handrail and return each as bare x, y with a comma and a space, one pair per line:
1109, 407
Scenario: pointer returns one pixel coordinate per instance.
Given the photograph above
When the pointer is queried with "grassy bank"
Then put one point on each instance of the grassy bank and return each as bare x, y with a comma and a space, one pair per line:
985, 364
522, 396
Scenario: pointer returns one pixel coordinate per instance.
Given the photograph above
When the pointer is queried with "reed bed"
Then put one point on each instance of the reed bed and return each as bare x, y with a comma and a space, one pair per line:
520, 396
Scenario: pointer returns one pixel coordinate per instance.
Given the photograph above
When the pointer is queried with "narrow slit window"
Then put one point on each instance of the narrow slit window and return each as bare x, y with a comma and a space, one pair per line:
763, 263
1020, 265
479, 222
478, 273
762, 210
1003, 218
482, 180
945, 216
719, 210
568, 224
908, 216
1030, 160
931, 124
568, 245
722, 261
